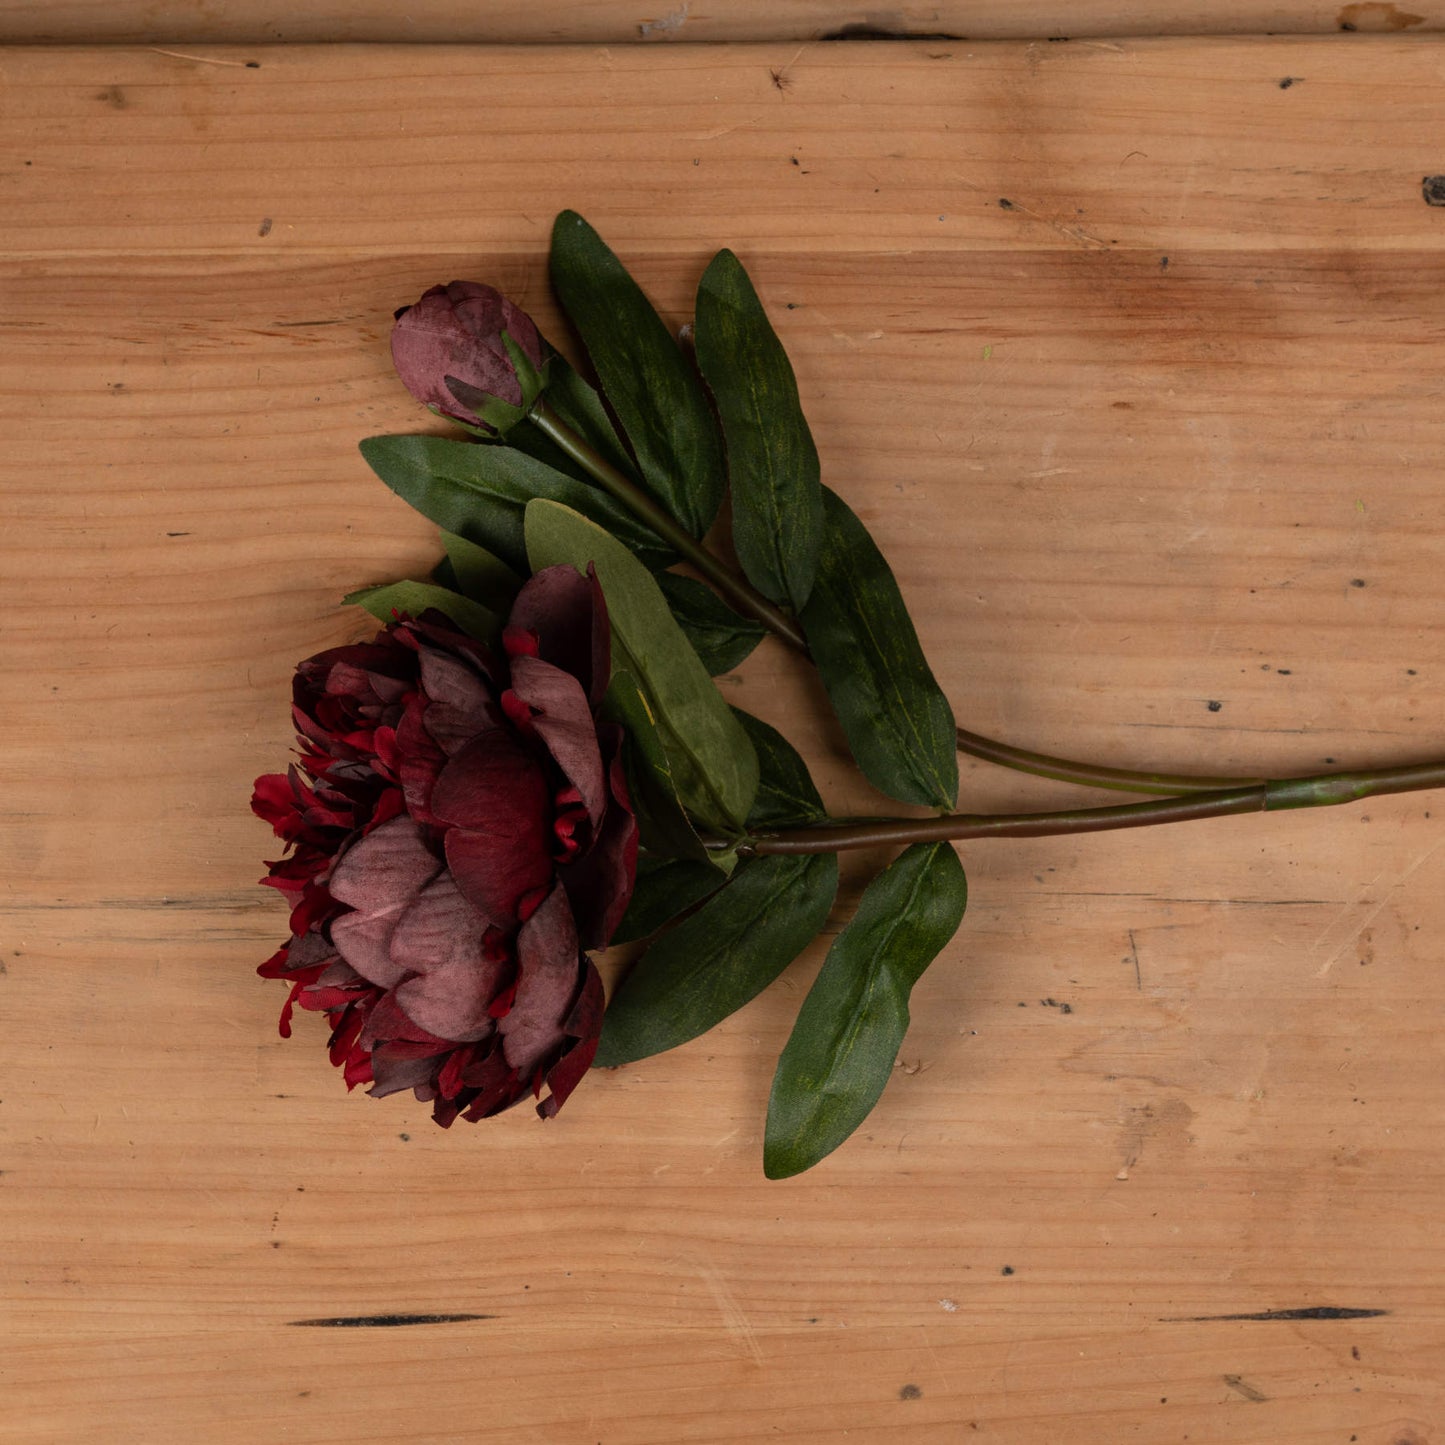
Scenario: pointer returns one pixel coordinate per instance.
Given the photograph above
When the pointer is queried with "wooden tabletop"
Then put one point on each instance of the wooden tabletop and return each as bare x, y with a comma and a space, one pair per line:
1131, 355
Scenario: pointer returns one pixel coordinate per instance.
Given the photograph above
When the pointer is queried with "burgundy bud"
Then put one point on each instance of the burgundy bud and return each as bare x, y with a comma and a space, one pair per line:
455, 333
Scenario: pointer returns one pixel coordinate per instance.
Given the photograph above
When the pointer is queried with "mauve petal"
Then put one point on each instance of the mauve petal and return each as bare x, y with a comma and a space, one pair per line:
585, 1025
452, 1000
566, 612
391, 1074
599, 883
439, 938
497, 800
548, 977
460, 705
379, 876
563, 720
386, 1023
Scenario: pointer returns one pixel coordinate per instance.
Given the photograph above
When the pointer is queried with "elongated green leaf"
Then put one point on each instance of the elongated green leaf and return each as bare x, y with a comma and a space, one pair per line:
481, 575
717, 959
712, 761
665, 888
662, 824
772, 464
786, 794
651, 386
411, 599
897, 720
720, 636
479, 491
851, 1026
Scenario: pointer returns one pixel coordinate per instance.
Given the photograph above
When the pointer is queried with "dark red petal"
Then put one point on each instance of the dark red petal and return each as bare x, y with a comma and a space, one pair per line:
566, 613
599, 883
275, 801
496, 798
585, 1025
563, 720
548, 979
379, 876
460, 705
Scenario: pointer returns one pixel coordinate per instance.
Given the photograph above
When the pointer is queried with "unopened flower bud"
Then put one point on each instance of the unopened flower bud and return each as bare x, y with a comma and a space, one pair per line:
468, 352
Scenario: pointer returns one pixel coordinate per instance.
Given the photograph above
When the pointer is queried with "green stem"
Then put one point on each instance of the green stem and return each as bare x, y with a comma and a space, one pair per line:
1322, 790
747, 600
743, 597
1063, 770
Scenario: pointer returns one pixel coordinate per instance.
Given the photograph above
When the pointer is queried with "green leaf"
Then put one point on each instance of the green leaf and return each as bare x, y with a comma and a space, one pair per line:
479, 491
897, 721
651, 386
786, 794
480, 575
772, 464
720, 636
414, 598
851, 1026
712, 761
663, 826
665, 888
720, 957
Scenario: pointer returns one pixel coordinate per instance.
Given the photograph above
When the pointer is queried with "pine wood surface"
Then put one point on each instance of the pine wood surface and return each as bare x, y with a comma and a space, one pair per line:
1154, 451
608, 22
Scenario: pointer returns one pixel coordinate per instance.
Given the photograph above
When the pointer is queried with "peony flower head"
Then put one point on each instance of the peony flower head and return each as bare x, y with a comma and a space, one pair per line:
460, 832
450, 351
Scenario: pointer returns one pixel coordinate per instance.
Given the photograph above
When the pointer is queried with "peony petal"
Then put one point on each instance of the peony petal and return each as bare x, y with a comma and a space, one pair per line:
563, 720
460, 705
379, 876
392, 1072
496, 798
585, 1025
548, 979
599, 883
439, 938
567, 613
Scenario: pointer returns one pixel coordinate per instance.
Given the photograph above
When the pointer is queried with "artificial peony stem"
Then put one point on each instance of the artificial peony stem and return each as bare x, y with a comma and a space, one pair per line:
1320, 791
745, 598
1064, 770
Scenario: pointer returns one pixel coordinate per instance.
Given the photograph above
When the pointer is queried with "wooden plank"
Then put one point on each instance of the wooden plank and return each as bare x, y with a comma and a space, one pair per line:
1117, 493
606, 22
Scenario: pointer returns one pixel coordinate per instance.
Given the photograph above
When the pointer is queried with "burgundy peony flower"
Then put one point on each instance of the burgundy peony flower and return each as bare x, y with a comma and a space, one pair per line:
459, 831
456, 331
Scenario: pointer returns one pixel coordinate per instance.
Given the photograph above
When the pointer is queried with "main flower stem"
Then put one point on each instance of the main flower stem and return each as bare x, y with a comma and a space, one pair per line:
1063, 770
751, 603
745, 598
1322, 790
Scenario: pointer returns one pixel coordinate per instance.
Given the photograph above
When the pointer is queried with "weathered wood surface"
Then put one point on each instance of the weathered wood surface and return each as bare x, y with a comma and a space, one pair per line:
608, 22
1183, 515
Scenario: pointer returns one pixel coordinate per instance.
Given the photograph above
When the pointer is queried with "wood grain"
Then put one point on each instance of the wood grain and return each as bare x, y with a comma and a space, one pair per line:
1182, 515
606, 22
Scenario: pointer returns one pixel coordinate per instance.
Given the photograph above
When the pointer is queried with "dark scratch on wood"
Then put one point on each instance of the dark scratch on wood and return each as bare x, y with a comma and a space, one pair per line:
1241, 1386
1313, 1312
1134, 950
373, 1322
